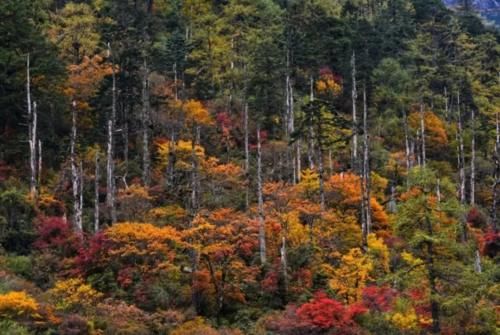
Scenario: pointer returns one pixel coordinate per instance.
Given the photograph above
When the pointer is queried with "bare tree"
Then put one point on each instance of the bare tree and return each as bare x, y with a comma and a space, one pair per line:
96, 193
473, 161
496, 181
32, 130
110, 165
262, 227
247, 154
365, 177
461, 158
354, 96
146, 123
75, 173
422, 133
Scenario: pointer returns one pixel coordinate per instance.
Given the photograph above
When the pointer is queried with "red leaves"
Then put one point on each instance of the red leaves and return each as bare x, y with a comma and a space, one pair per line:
491, 243
55, 233
321, 314
325, 313
379, 299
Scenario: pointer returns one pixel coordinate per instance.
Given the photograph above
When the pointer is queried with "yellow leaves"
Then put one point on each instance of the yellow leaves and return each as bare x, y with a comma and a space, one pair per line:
181, 149
140, 239
351, 276
73, 294
309, 181
168, 214
410, 259
404, 321
297, 232
328, 85
197, 326
17, 304
196, 113
379, 251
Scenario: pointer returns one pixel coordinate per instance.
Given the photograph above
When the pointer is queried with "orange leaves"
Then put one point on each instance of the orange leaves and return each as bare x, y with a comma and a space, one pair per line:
141, 240
17, 304
344, 189
435, 129
328, 83
84, 79
196, 113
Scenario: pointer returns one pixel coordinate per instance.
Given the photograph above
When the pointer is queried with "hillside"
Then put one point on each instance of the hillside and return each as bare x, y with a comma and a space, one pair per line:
261, 167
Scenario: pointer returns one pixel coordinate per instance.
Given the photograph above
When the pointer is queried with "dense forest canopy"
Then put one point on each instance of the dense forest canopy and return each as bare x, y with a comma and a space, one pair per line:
248, 167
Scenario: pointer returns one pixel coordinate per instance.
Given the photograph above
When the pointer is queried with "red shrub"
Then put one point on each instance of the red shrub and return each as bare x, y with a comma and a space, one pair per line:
55, 234
379, 299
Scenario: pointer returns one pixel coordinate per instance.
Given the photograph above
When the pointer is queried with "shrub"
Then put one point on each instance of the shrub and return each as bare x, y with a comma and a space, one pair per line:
20, 265
12, 328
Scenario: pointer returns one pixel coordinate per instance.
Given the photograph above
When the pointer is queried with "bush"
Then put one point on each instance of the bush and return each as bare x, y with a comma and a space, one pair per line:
74, 325
12, 328
20, 265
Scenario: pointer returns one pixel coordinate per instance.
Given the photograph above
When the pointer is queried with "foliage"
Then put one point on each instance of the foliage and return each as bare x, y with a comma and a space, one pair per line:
73, 295
18, 304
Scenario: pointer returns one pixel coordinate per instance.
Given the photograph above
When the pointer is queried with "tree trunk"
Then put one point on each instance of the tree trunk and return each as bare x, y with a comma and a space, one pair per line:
366, 188
146, 159
171, 161
422, 132
96, 193
284, 268
496, 182
431, 271
32, 130
354, 96
75, 179
299, 162
247, 156
321, 178
461, 159
461, 166
194, 171
473, 161
39, 181
80, 193
262, 227
175, 82
110, 165
407, 142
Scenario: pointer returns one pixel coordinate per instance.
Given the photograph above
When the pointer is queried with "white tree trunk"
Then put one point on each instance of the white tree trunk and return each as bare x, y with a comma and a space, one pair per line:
422, 132
96, 193
473, 162
354, 96
39, 181
461, 159
366, 187
110, 165
496, 182
262, 228
321, 178
146, 159
247, 155
32, 131
75, 174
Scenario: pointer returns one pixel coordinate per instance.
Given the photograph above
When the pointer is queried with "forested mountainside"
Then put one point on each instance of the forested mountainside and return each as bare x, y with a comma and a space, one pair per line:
483, 5
489, 9
248, 167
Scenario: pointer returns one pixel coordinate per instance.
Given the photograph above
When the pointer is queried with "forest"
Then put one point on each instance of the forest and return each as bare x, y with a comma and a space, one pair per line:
231, 167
